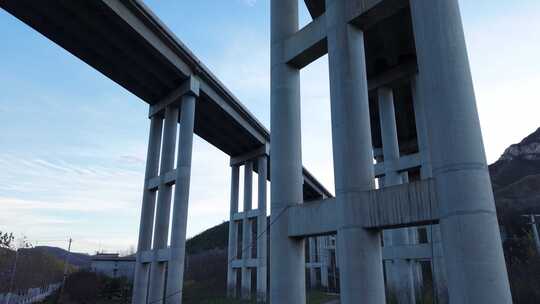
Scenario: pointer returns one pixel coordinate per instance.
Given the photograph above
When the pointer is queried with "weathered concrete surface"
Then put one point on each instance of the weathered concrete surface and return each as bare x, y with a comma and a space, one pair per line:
411, 204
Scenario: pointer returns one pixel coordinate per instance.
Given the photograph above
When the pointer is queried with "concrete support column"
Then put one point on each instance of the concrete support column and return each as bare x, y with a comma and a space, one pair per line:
421, 128
161, 226
471, 239
247, 226
312, 259
261, 230
399, 271
175, 277
287, 282
438, 264
231, 272
361, 279
324, 258
140, 284
433, 231
389, 137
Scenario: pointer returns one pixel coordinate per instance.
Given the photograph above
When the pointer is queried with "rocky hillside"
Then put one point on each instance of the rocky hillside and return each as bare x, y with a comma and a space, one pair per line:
517, 161
516, 181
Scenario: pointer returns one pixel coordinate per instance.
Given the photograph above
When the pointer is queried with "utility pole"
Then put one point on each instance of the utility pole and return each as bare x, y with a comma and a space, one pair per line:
532, 217
65, 268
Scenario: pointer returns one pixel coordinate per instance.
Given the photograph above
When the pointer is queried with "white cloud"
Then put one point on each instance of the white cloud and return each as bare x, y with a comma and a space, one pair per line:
249, 2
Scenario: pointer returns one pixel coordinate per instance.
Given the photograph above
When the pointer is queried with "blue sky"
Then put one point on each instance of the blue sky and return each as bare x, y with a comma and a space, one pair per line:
73, 143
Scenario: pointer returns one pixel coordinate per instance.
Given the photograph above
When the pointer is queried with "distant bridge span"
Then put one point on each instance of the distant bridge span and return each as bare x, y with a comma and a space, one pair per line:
126, 42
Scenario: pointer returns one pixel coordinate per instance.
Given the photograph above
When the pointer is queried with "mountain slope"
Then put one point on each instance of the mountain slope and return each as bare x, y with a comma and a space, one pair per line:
517, 161
214, 238
80, 260
35, 268
516, 183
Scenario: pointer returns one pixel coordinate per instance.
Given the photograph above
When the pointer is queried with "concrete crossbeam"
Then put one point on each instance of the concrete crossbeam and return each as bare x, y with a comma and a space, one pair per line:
366, 13
250, 214
156, 255
307, 45
242, 159
394, 77
426, 251
245, 263
169, 178
409, 252
411, 204
313, 265
315, 218
363, 13
189, 87
310, 43
402, 164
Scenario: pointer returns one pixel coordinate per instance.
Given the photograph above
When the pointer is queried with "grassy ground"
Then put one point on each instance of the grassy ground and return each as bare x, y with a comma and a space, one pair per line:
193, 296
319, 297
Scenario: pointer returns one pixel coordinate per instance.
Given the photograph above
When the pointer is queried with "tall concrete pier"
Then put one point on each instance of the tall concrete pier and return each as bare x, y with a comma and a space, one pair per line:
353, 158
470, 233
287, 273
399, 273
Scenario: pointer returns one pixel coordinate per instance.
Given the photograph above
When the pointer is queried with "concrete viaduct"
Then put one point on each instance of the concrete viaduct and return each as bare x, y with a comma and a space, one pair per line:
401, 94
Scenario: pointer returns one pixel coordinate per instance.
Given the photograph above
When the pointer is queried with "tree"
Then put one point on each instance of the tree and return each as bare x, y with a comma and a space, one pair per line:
6, 239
